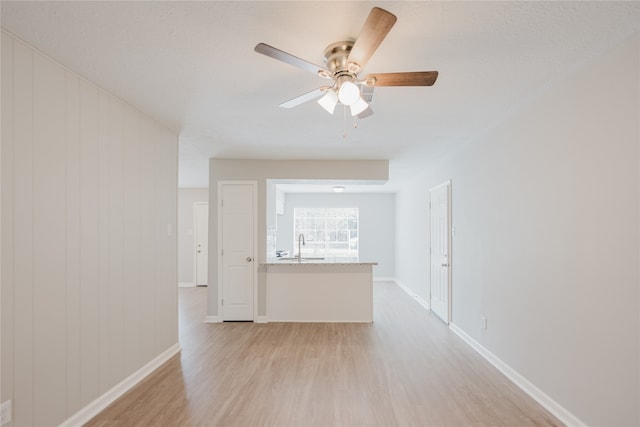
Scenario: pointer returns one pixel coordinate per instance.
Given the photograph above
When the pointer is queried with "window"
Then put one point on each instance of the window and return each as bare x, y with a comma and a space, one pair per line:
328, 232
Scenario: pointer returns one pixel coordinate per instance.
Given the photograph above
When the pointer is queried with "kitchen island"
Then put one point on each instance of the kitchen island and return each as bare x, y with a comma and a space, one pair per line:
319, 290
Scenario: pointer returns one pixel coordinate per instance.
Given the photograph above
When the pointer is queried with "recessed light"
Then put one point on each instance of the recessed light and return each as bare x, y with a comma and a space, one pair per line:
338, 188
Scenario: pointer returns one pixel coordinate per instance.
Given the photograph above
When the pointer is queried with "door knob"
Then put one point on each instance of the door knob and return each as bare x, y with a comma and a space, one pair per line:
249, 259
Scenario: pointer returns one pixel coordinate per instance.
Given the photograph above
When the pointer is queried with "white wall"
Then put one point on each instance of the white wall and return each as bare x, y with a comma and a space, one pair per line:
546, 209
186, 229
376, 223
88, 270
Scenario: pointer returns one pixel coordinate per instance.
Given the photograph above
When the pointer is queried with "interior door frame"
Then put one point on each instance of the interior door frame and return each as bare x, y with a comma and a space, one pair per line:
449, 247
195, 241
220, 286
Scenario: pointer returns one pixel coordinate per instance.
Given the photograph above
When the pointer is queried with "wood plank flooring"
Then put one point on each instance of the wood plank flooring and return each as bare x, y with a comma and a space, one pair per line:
405, 369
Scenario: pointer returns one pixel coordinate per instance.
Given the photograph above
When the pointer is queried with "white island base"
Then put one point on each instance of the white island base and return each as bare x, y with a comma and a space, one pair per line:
319, 292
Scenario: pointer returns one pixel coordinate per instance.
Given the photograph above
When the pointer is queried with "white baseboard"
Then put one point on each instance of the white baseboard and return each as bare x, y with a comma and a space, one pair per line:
542, 398
186, 285
411, 293
94, 408
217, 319
212, 319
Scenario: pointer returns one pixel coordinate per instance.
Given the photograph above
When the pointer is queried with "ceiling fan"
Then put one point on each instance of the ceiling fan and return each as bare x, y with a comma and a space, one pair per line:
344, 60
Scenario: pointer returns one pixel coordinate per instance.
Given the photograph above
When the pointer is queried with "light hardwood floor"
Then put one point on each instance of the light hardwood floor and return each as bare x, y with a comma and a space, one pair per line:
405, 369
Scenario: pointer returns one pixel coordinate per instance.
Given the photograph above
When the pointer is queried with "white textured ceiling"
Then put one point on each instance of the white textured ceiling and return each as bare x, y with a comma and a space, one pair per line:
191, 66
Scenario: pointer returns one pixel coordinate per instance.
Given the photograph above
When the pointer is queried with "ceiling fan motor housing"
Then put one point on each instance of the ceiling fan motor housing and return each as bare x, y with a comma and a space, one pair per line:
336, 57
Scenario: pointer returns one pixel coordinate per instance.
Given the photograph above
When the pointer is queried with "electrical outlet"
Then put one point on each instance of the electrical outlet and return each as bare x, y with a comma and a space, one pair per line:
5, 413
483, 322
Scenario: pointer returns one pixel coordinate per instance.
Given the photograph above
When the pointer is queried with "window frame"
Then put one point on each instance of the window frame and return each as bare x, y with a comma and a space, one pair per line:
330, 248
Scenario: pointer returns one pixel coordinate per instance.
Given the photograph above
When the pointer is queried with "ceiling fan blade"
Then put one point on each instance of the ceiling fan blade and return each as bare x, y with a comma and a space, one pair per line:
416, 78
305, 97
366, 92
375, 29
366, 113
285, 57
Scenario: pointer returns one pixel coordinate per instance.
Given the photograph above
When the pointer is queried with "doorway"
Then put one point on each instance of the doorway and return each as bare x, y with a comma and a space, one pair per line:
201, 240
440, 250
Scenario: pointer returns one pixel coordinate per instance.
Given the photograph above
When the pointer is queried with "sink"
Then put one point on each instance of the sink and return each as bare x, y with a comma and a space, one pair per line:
300, 259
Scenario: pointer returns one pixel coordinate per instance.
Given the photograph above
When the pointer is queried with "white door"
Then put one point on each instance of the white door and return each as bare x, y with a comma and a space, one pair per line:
440, 256
202, 242
237, 203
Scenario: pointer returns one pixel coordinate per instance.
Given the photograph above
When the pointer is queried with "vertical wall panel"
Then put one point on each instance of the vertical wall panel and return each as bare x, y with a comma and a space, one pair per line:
103, 240
161, 232
132, 218
74, 400
169, 292
89, 241
49, 222
148, 233
23, 231
6, 183
116, 304
167, 245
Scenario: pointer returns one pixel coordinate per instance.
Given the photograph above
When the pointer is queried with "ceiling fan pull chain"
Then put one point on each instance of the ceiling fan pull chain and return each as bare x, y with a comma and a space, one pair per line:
344, 122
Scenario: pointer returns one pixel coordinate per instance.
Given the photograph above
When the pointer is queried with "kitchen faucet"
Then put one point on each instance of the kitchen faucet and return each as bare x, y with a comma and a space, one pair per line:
300, 238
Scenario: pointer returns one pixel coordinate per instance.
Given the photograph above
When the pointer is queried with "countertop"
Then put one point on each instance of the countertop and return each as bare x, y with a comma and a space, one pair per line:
326, 261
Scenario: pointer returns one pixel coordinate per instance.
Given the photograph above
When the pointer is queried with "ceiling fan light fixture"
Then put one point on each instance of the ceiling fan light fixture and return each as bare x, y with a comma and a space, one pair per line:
329, 101
349, 93
359, 106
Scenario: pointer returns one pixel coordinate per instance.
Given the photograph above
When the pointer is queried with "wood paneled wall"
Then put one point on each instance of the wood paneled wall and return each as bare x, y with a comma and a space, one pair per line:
89, 202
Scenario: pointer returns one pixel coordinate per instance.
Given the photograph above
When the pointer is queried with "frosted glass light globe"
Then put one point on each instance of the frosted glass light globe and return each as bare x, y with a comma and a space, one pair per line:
348, 93
329, 101
359, 106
